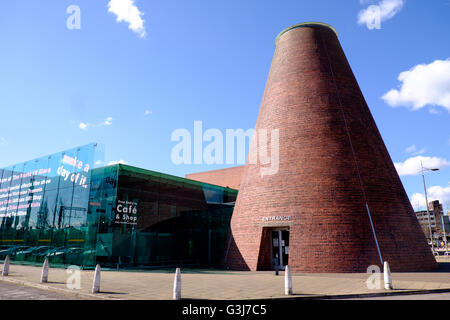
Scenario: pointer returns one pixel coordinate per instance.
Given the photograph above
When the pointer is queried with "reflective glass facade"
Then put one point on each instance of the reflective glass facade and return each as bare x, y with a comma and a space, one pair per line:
118, 216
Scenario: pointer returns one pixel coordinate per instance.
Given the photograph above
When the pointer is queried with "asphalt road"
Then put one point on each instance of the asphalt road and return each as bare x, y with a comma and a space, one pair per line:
10, 291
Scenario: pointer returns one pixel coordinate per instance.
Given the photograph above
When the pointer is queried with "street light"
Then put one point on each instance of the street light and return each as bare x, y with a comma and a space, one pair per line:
426, 199
445, 236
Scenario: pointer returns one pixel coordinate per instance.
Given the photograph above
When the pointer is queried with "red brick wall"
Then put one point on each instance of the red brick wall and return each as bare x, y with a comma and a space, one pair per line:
265, 250
229, 177
332, 161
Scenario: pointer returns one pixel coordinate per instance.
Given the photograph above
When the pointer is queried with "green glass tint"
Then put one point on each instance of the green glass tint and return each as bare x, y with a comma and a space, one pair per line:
162, 220
43, 208
74, 213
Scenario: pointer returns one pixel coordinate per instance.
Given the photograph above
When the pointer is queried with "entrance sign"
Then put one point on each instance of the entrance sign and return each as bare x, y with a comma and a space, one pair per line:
276, 218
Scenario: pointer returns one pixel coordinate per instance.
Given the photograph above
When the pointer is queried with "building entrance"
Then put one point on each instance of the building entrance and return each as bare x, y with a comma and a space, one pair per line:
280, 248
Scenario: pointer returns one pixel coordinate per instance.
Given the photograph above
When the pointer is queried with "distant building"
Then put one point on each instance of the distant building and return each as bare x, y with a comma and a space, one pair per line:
446, 224
436, 214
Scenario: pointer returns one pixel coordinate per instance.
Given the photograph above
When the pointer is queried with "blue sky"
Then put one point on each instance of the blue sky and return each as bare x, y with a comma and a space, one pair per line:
130, 83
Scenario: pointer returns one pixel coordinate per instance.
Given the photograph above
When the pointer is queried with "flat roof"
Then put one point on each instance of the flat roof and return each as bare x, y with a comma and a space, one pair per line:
170, 177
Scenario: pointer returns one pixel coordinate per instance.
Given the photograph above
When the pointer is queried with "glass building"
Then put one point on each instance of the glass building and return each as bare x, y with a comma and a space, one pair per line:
62, 208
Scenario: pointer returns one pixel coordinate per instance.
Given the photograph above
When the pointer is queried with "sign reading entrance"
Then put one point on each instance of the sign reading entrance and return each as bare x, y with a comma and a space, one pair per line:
276, 218
126, 212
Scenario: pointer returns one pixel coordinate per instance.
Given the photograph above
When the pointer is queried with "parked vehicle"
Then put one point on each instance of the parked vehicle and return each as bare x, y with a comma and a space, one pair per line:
27, 253
40, 257
67, 255
11, 251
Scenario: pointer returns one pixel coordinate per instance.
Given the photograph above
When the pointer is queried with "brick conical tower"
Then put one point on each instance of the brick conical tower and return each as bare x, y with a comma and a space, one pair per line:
336, 203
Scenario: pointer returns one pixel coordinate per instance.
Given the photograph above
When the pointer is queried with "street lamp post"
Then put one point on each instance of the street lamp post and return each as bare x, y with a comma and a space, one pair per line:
426, 199
445, 235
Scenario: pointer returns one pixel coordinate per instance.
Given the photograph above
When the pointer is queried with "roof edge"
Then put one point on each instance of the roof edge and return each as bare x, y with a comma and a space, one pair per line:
305, 24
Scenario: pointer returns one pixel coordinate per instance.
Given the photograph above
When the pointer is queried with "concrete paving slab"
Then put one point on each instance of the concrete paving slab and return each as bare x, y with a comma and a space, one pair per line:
219, 284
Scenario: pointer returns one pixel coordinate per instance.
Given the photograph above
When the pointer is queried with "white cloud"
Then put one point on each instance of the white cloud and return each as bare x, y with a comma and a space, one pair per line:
418, 201
116, 162
388, 9
418, 152
433, 193
83, 126
433, 110
424, 84
412, 166
147, 112
3, 141
127, 11
108, 121
413, 150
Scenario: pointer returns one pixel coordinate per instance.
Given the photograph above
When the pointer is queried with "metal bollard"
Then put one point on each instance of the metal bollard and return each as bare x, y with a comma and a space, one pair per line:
287, 281
96, 282
387, 276
44, 273
177, 285
6, 266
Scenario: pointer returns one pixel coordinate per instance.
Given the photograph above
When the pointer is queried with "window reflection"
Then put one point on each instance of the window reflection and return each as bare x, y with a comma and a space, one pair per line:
121, 215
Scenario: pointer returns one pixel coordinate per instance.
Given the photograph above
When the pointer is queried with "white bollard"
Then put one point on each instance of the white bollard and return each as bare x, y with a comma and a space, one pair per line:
6, 266
177, 285
287, 281
387, 276
96, 282
44, 273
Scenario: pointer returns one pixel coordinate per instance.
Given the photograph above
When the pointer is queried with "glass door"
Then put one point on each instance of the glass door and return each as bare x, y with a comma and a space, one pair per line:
280, 248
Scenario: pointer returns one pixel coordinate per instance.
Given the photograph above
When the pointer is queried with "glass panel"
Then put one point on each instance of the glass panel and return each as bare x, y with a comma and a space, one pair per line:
44, 207
64, 208
285, 246
168, 221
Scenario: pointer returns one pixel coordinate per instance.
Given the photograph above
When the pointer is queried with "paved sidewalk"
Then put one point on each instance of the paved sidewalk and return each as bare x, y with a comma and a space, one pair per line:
217, 284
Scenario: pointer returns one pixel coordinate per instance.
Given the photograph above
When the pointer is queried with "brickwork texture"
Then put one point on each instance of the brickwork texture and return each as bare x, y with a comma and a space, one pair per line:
229, 177
333, 162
